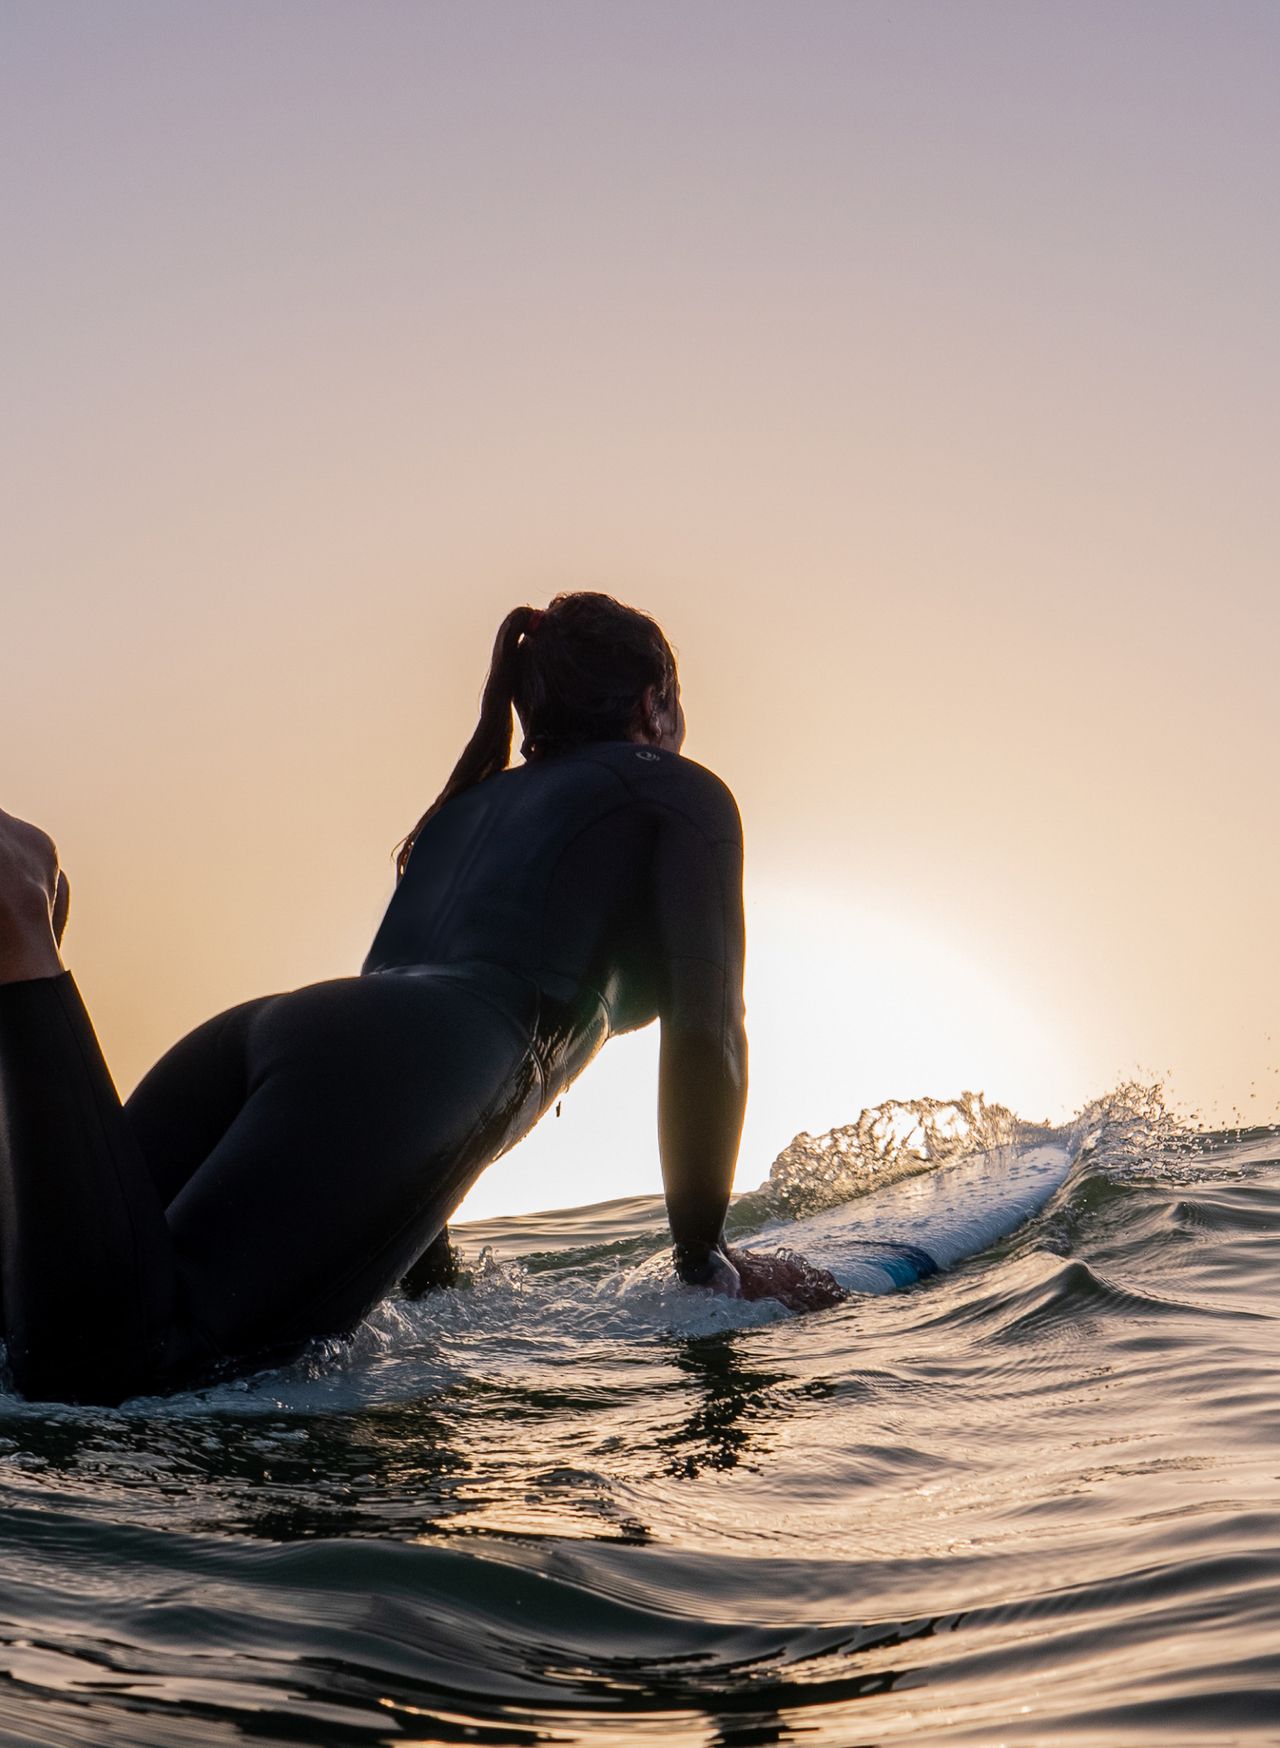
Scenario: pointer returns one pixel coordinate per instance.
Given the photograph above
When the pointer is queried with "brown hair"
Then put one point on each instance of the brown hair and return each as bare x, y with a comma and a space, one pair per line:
573, 673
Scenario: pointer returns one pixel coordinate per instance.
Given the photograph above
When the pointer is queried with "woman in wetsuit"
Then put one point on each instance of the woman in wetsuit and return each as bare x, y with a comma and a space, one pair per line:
283, 1166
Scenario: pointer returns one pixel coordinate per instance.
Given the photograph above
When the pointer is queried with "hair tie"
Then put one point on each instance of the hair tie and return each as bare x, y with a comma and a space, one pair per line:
534, 621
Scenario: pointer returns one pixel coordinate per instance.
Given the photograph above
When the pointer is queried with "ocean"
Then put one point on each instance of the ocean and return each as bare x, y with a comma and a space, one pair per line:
1032, 1500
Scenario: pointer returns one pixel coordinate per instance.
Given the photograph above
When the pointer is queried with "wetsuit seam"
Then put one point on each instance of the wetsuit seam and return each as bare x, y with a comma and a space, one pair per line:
701, 959
641, 792
582, 987
486, 1000
664, 804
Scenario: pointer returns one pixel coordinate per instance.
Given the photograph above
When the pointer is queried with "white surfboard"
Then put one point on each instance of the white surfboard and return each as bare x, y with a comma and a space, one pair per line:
921, 1225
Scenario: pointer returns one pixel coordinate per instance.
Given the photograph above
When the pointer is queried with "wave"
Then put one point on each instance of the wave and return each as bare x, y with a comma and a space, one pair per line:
1031, 1499
1131, 1127
579, 1279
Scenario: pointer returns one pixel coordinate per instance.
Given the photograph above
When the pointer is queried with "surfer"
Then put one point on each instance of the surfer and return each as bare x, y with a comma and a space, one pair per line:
285, 1164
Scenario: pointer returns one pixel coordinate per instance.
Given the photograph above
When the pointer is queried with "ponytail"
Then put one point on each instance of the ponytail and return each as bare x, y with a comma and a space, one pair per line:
489, 749
574, 673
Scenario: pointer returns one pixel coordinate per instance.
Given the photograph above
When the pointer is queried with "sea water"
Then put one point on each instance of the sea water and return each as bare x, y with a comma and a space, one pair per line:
1035, 1499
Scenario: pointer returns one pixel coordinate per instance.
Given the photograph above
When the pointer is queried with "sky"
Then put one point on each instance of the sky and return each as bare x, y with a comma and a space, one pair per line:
914, 363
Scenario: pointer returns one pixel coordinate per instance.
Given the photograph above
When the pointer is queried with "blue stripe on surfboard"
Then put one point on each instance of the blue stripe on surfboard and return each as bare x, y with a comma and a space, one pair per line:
903, 1263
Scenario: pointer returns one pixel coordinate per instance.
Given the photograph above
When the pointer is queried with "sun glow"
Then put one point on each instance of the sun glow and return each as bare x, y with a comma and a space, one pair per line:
848, 1004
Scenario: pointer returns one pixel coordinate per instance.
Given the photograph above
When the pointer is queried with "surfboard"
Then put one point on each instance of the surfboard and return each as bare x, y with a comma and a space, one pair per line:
915, 1228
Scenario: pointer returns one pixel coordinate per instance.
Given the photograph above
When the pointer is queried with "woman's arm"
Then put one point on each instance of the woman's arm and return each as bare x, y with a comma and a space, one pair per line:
703, 1067
702, 1092
702, 1087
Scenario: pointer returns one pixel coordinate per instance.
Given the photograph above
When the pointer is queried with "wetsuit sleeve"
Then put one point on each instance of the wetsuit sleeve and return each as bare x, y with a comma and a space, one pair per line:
702, 1086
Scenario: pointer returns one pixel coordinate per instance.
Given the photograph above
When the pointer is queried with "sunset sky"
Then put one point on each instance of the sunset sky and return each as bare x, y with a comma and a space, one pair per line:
915, 364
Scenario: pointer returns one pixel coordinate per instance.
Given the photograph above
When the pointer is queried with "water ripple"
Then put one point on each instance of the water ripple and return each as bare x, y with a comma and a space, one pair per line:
1033, 1500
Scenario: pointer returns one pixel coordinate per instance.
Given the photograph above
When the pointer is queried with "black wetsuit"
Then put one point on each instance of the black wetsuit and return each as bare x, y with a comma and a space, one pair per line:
284, 1165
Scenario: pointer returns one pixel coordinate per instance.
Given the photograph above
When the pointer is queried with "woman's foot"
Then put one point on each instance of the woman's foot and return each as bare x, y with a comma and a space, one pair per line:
29, 892
438, 1266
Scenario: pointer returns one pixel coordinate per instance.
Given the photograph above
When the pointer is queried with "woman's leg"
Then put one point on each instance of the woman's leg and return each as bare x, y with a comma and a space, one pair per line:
184, 1105
85, 1258
370, 1105
373, 1104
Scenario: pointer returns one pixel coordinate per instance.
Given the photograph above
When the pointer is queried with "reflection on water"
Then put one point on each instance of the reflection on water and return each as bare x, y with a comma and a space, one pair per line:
1032, 1500
729, 1407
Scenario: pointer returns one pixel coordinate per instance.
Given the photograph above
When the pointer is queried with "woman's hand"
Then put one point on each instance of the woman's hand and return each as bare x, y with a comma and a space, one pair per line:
722, 1277
707, 1266
754, 1274
782, 1275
